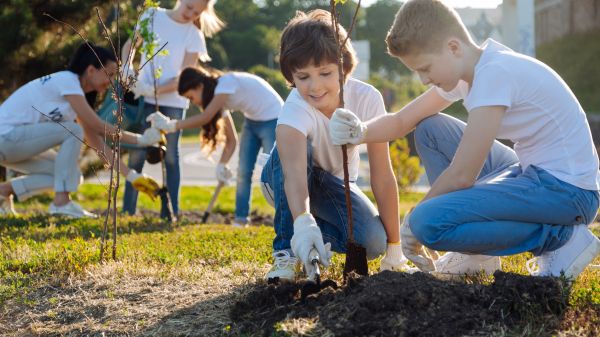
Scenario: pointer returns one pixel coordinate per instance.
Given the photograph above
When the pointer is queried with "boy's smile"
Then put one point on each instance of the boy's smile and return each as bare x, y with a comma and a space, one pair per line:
319, 86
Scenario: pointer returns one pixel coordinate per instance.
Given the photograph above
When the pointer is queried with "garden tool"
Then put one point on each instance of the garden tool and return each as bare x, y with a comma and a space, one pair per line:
313, 283
211, 204
163, 192
356, 255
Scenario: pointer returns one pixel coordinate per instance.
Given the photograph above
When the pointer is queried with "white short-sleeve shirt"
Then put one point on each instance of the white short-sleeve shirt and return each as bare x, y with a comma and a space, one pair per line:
41, 100
543, 118
180, 38
249, 94
359, 97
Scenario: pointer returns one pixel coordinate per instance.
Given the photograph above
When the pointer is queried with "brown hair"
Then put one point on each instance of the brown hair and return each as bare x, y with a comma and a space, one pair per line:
311, 38
191, 78
423, 26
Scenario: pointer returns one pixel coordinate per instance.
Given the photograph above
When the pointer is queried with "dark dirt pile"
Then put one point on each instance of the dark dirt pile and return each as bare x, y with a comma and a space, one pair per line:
399, 304
215, 217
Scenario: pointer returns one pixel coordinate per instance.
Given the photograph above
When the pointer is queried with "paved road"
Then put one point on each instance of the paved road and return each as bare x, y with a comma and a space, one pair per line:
198, 170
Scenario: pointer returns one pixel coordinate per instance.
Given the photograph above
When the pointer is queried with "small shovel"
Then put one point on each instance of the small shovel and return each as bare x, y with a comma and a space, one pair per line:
356, 255
313, 283
212, 202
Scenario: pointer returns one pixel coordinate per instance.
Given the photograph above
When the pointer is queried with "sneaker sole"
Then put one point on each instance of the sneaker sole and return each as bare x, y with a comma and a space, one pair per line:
587, 256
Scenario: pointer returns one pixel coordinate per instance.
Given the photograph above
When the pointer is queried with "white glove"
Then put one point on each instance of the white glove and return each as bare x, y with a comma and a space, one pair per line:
346, 128
393, 259
224, 174
162, 122
143, 183
140, 88
307, 235
413, 249
149, 137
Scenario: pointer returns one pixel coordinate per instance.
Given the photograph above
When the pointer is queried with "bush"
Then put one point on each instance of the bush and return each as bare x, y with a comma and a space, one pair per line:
273, 77
406, 167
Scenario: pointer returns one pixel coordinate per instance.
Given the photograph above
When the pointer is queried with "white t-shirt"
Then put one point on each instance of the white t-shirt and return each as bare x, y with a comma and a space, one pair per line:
359, 97
180, 38
543, 118
251, 95
42, 96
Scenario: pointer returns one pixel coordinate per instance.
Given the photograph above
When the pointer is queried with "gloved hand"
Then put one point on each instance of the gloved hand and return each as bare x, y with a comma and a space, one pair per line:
143, 183
140, 88
413, 249
346, 128
162, 122
307, 235
394, 259
149, 137
224, 174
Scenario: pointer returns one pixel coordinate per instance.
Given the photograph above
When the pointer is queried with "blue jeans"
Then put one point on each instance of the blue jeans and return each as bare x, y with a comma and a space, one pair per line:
255, 134
137, 157
507, 211
328, 206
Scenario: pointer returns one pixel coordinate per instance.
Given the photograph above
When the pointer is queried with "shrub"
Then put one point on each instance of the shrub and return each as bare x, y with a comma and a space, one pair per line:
406, 167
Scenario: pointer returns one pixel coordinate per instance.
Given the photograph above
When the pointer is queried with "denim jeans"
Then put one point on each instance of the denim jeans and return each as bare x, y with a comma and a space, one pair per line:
255, 134
137, 157
28, 149
508, 211
328, 206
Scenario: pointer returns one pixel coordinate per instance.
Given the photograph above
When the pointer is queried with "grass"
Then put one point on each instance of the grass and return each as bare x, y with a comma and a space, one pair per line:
39, 252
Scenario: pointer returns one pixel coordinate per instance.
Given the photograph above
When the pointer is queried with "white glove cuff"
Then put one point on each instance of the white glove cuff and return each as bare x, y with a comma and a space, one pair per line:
304, 221
132, 176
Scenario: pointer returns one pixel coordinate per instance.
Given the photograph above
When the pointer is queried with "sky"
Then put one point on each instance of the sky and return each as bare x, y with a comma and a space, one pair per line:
457, 3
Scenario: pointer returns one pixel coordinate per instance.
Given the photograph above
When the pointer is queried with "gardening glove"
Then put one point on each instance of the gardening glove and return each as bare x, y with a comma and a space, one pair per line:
162, 122
413, 249
149, 137
394, 259
143, 183
224, 174
140, 88
346, 128
307, 235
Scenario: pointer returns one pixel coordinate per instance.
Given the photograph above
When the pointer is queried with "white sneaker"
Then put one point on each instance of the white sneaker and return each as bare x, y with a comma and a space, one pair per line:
463, 264
7, 206
71, 209
284, 267
570, 259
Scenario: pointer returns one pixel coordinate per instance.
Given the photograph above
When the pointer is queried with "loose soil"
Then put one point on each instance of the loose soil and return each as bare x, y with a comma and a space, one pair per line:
400, 304
216, 218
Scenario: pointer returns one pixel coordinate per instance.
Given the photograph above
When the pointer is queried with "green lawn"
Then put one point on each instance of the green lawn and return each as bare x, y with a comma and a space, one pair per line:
38, 251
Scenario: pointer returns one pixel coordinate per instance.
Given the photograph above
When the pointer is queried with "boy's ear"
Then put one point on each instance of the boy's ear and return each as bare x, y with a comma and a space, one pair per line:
454, 46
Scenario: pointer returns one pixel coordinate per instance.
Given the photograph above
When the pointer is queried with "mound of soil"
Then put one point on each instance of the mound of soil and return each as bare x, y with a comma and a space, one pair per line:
400, 304
215, 218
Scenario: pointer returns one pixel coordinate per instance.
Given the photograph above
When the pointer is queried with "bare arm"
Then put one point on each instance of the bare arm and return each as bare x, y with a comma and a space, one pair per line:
92, 123
481, 130
385, 189
230, 139
397, 125
217, 104
291, 145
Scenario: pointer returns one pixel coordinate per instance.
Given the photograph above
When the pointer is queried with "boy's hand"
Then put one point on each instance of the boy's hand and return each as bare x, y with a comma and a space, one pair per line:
413, 249
162, 122
393, 259
143, 183
307, 235
346, 128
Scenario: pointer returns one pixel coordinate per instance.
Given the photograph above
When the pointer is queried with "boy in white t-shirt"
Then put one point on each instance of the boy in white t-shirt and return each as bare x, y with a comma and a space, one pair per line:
304, 174
486, 198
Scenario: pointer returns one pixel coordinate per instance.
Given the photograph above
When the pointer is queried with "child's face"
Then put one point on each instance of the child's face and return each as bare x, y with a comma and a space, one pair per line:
194, 95
319, 86
439, 69
190, 10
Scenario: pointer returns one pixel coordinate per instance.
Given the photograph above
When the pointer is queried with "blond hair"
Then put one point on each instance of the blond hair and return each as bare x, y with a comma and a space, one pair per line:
423, 26
209, 22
